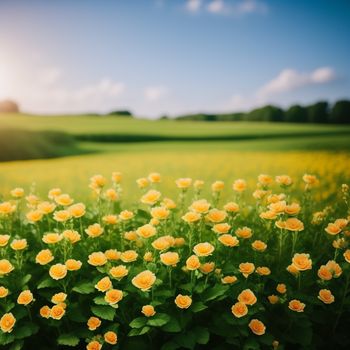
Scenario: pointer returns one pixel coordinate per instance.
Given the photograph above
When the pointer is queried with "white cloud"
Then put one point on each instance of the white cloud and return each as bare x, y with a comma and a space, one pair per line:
193, 5
251, 6
216, 6
155, 93
291, 79
49, 76
286, 81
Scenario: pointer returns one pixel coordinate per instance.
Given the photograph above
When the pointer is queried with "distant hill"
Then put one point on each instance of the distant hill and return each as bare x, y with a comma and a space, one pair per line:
9, 106
321, 112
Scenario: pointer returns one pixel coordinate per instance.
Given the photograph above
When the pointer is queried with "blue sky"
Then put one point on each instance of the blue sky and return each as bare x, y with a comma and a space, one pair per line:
158, 57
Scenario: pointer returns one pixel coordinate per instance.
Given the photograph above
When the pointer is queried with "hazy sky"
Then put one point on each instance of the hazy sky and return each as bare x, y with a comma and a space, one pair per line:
159, 57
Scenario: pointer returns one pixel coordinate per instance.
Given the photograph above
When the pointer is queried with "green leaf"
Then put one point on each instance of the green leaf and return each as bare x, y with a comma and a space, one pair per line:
186, 340
9, 307
251, 344
198, 306
84, 288
214, 292
138, 322
68, 339
202, 335
25, 279
158, 320
100, 300
6, 338
47, 283
104, 312
138, 331
170, 345
17, 345
25, 331
173, 326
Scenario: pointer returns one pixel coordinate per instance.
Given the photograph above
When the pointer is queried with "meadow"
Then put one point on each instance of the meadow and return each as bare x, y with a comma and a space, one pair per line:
254, 255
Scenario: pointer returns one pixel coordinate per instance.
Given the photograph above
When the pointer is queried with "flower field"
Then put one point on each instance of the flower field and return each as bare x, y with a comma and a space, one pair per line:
216, 266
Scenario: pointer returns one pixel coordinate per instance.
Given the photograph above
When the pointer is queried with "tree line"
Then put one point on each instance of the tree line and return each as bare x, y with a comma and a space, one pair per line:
321, 112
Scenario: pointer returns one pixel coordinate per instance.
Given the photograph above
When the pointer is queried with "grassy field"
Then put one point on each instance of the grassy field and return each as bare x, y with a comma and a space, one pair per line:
319, 149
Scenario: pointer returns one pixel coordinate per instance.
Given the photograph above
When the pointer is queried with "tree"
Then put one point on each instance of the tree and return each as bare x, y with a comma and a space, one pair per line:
268, 114
8, 106
318, 112
340, 113
296, 114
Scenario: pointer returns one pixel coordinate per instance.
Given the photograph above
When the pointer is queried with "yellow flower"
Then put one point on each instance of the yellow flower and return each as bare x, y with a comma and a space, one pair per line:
244, 232
193, 263
52, 238
296, 305
148, 256
19, 244
273, 299
110, 337
191, 217
128, 256
231, 207
169, 258
44, 257
45, 311
32, 200
117, 177
4, 240
293, 270
217, 186
63, 199
334, 268
278, 207
59, 298
246, 268
151, 197
257, 327
333, 229
183, 301
347, 255
228, 240
104, 284
54, 192
198, 184
111, 194
207, 267
183, 183
94, 230
142, 182
58, 271
292, 209
113, 296
148, 310
7, 208
144, 280
203, 249
57, 312
112, 254
25, 298
260, 194
293, 224
284, 180
168, 203
302, 262
17, 192
239, 309
93, 323
126, 215
342, 223
7, 322
62, 215
247, 297
97, 259
34, 216
73, 265
161, 243
119, 271
5, 267
310, 179
46, 207
94, 345
3, 292
154, 177
72, 235
265, 180
239, 186
326, 296
259, 246
263, 271
160, 213
281, 288
110, 219
77, 210
221, 228
146, 231
216, 215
